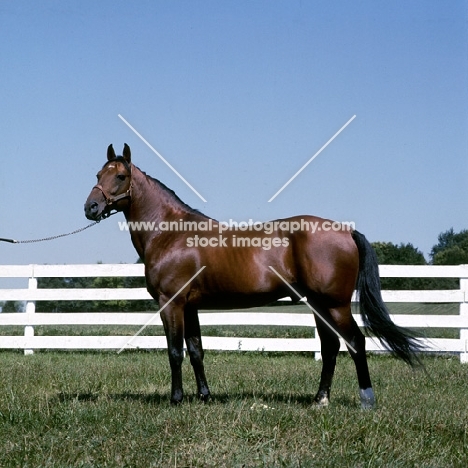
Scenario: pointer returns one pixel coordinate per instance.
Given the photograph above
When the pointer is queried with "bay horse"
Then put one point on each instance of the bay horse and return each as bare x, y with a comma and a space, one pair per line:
324, 266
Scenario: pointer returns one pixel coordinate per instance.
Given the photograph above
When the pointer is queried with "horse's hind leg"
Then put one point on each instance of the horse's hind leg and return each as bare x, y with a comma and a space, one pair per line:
195, 350
345, 325
358, 342
330, 345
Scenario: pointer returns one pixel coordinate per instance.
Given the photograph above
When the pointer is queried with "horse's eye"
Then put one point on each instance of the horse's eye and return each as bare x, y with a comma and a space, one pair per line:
121, 176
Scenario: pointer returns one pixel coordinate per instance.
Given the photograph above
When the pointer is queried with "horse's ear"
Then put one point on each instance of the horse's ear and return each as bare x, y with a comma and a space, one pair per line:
126, 153
110, 153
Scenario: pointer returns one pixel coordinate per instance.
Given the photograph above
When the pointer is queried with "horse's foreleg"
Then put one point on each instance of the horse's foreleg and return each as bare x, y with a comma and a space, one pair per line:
195, 350
173, 320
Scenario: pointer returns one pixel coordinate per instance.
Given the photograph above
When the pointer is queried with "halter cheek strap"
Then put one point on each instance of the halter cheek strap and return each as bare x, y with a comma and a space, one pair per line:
110, 200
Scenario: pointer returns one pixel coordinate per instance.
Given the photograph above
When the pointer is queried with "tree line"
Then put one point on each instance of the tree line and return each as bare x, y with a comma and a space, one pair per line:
451, 249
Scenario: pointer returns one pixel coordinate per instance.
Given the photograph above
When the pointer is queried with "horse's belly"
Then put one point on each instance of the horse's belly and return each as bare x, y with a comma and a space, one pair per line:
224, 301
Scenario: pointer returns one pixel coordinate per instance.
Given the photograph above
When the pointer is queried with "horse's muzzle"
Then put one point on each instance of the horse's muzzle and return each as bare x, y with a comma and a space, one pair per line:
91, 210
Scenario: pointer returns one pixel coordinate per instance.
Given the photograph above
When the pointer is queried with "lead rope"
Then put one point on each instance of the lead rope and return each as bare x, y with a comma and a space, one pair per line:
30, 241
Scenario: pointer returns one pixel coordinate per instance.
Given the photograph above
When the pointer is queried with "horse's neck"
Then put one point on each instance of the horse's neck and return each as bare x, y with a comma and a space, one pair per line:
152, 204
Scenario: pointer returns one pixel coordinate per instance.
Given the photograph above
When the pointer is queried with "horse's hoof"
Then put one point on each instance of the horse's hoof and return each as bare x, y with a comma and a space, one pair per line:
321, 401
205, 398
367, 398
177, 399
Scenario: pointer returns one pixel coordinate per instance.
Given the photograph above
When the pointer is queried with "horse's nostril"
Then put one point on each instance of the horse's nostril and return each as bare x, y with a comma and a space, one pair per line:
91, 209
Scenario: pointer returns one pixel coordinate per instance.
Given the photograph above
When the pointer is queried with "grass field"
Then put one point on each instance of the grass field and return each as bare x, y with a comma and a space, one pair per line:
100, 409
72, 409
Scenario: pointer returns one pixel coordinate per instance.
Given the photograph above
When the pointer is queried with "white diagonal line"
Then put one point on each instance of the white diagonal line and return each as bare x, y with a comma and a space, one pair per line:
161, 309
159, 156
312, 158
299, 295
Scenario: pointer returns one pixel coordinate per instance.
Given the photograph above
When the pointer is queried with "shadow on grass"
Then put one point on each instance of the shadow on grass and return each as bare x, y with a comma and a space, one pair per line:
152, 399
219, 398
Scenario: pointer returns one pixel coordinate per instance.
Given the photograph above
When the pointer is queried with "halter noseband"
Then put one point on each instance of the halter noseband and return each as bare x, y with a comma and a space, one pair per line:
110, 200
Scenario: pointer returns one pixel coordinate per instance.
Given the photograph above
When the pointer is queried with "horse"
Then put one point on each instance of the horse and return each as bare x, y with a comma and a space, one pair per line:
202, 268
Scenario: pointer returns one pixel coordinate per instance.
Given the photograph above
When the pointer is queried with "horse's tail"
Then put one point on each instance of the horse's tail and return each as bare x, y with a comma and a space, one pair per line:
374, 313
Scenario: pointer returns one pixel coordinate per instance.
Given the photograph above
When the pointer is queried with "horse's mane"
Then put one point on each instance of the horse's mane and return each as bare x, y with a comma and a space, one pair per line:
171, 194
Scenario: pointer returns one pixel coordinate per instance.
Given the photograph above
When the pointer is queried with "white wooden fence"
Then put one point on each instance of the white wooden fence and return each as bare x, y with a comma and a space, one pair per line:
30, 318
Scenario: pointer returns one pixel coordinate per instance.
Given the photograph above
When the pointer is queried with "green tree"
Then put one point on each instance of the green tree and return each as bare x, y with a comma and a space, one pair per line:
64, 306
14, 306
402, 254
451, 249
113, 305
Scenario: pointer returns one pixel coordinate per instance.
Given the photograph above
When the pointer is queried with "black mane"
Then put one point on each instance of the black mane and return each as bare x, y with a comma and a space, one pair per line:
172, 194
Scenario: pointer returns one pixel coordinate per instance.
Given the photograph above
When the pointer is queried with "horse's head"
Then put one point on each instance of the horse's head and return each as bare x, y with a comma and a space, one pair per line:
114, 187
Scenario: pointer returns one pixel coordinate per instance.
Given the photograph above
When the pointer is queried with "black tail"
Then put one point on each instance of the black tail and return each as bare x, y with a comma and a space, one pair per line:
374, 313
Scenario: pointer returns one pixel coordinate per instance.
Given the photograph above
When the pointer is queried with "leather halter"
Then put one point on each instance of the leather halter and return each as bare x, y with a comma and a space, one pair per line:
110, 200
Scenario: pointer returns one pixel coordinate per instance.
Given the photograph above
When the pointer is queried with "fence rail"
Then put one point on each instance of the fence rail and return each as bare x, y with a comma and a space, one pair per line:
30, 318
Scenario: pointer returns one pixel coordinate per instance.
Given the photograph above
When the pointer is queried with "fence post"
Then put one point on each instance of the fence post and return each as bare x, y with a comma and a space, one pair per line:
317, 354
464, 311
30, 309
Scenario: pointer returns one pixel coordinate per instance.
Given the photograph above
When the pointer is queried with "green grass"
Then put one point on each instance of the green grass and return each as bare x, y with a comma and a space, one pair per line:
84, 409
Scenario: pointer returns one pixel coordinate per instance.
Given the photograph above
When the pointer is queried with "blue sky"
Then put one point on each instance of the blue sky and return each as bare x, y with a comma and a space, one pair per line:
237, 96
